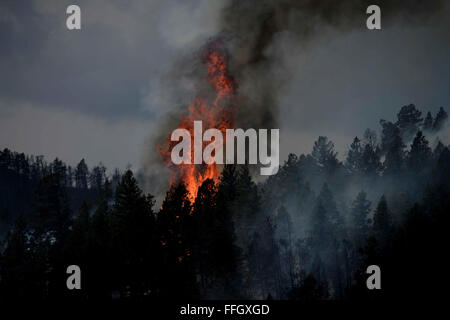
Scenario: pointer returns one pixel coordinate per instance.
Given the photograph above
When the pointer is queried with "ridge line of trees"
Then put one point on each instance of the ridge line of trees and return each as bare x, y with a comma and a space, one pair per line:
306, 233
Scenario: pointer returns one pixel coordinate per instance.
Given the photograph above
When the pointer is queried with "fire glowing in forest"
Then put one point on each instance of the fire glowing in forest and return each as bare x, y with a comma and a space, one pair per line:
216, 112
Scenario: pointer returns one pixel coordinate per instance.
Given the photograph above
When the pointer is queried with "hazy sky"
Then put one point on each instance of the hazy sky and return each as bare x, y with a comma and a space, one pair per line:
94, 93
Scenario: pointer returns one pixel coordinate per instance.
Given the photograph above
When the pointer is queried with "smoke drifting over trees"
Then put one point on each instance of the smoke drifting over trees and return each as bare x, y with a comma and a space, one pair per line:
260, 39
307, 233
257, 32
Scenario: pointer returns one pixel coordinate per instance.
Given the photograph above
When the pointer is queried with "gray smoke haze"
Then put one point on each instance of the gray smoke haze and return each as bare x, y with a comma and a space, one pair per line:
268, 43
263, 33
308, 67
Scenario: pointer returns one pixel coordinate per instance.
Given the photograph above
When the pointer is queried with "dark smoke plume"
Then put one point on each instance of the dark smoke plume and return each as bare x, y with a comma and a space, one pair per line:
255, 27
252, 32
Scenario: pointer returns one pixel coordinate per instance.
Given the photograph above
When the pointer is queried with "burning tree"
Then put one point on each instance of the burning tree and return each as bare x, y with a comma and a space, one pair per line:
216, 112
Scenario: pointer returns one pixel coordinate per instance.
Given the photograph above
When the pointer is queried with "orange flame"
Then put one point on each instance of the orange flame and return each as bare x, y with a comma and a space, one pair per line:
218, 113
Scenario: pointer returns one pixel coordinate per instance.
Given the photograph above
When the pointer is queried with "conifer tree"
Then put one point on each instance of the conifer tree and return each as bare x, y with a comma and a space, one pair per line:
360, 212
321, 228
285, 236
324, 154
327, 200
408, 121
392, 147
81, 175
132, 225
370, 161
355, 156
263, 260
52, 209
420, 153
438, 150
428, 122
441, 118
176, 227
381, 219
97, 177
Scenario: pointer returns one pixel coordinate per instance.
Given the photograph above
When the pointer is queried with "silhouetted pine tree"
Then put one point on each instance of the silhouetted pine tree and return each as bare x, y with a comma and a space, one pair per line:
22, 277
77, 242
360, 212
99, 273
175, 229
408, 121
370, 161
214, 251
246, 206
52, 210
382, 219
51, 222
420, 153
438, 150
428, 122
324, 154
329, 204
264, 262
355, 156
59, 168
97, 176
81, 175
132, 227
205, 215
69, 178
285, 235
321, 227
440, 119
392, 147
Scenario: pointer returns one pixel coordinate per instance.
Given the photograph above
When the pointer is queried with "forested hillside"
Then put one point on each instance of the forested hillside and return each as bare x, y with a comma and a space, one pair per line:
307, 233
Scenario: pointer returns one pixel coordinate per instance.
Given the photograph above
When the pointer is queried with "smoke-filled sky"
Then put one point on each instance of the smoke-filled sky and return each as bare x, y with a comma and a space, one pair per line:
97, 93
